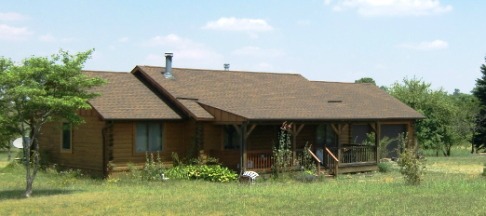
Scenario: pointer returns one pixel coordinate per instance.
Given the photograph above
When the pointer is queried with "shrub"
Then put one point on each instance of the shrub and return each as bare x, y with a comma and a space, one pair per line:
307, 162
384, 167
411, 167
214, 173
282, 154
153, 169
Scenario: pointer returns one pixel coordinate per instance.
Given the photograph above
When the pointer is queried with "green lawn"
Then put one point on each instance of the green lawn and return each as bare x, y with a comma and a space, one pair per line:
4, 157
453, 186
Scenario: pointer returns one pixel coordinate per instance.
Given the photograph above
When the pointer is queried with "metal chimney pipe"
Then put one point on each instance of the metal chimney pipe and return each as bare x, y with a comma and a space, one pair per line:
168, 66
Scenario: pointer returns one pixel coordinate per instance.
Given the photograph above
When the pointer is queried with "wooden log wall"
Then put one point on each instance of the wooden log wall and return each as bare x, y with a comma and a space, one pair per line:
87, 148
176, 138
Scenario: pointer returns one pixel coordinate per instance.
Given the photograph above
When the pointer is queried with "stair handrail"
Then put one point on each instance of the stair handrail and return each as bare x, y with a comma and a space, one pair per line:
331, 154
336, 160
318, 167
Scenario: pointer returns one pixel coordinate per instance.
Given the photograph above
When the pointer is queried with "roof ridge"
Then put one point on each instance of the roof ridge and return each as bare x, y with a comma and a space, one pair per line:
99, 71
335, 82
230, 71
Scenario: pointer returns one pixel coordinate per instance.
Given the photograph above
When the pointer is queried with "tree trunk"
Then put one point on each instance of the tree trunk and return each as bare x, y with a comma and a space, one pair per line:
472, 145
28, 189
9, 152
28, 176
33, 160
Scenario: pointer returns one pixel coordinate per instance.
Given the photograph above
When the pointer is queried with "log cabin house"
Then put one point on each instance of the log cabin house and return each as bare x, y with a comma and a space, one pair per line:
233, 116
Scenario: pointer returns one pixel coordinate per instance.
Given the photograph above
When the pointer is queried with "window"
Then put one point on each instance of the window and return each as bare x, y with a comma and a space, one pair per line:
66, 137
148, 137
232, 138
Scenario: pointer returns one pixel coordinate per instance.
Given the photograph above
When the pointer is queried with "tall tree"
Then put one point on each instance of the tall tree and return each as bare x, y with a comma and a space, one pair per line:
464, 120
41, 90
480, 92
435, 131
366, 80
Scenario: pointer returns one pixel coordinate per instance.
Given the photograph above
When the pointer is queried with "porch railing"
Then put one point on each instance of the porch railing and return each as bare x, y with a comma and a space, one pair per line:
332, 157
332, 161
259, 159
352, 153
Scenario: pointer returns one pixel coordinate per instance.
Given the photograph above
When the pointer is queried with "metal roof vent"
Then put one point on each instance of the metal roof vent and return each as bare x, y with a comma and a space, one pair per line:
226, 67
168, 66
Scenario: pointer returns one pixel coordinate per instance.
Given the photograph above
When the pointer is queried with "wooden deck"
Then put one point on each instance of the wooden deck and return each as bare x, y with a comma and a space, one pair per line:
349, 159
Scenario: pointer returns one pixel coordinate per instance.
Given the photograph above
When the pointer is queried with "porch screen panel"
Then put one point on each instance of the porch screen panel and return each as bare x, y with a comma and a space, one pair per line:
392, 131
359, 133
321, 136
331, 138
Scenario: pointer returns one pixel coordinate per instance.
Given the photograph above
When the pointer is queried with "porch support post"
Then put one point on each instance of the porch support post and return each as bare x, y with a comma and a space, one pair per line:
412, 136
247, 134
295, 132
243, 148
237, 129
377, 140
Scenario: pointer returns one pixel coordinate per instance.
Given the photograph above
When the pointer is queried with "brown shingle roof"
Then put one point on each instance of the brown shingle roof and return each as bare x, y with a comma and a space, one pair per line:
125, 97
272, 96
195, 109
361, 101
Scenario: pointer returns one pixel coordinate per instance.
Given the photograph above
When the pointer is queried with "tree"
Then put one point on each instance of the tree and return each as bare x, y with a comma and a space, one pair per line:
480, 92
41, 90
366, 80
6, 136
435, 131
464, 121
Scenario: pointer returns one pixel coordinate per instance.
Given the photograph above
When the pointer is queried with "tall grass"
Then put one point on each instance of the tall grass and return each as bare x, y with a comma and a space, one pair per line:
452, 186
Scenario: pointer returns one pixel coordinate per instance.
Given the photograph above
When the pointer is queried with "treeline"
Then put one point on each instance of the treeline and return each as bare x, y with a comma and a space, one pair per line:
450, 119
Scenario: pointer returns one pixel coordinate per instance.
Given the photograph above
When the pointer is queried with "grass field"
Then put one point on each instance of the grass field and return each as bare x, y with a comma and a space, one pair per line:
452, 186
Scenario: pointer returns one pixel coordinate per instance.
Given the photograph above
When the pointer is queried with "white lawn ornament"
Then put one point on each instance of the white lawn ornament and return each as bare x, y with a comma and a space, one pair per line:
250, 175
163, 178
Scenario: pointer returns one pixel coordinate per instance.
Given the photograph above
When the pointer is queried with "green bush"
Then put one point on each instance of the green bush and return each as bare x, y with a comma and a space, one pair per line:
307, 162
411, 167
282, 153
153, 169
384, 167
214, 173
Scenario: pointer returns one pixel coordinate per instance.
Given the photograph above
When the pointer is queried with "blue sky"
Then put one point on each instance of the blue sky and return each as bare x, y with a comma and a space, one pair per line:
441, 42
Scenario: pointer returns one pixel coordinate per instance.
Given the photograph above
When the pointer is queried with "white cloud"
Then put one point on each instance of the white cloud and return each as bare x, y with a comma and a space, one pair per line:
426, 45
235, 24
258, 52
11, 16
13, 33
391, 7
193, 53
